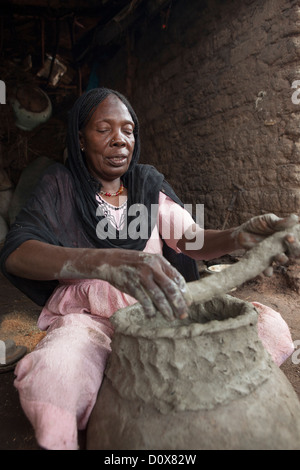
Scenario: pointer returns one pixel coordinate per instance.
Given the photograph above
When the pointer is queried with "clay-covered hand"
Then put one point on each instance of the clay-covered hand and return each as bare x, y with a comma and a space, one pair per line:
258, 228
152, 281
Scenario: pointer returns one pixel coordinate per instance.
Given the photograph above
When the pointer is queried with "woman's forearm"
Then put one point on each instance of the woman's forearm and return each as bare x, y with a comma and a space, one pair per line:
42, 261
214, 243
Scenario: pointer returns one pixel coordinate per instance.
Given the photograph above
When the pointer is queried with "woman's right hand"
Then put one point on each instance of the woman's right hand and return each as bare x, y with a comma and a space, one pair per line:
150, 279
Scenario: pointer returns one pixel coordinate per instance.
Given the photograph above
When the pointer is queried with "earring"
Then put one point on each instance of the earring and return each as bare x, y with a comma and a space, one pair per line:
82, 149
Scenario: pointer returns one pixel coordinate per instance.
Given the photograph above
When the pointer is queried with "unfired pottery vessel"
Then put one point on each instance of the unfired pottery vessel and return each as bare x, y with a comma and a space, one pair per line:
201, 383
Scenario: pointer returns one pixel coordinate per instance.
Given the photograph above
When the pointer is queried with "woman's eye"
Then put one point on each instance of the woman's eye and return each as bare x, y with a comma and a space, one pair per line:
102, 130
128, 131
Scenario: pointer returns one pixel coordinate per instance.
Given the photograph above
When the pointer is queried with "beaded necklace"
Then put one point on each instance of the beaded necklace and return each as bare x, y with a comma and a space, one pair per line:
106, 193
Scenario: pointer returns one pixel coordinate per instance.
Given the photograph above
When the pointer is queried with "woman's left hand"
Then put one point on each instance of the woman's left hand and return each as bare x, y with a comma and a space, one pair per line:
258, 228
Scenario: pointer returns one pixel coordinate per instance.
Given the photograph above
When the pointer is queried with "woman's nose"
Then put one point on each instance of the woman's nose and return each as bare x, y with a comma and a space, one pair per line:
118, 139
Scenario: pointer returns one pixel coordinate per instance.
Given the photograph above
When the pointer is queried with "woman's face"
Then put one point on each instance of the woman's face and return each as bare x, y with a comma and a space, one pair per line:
108, 140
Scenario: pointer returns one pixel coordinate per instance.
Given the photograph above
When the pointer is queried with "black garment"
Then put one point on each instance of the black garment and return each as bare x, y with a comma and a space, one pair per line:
52, 215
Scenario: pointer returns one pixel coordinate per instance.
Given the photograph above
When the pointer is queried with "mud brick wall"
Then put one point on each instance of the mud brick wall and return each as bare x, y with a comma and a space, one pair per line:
213, 92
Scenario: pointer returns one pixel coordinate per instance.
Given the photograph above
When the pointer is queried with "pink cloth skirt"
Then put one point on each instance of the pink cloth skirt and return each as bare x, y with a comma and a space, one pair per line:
274, 333
59, 381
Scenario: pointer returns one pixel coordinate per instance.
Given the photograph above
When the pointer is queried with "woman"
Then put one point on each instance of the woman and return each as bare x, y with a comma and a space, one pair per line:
71, 249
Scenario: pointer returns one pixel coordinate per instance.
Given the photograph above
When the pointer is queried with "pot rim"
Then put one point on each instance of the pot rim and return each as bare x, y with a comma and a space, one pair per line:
158, 327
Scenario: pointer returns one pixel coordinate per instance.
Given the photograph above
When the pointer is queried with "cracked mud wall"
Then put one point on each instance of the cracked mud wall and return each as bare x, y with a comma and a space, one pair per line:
213, 92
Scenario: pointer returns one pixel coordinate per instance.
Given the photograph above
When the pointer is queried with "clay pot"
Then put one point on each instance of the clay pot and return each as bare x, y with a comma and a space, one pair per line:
202, 383
31, 107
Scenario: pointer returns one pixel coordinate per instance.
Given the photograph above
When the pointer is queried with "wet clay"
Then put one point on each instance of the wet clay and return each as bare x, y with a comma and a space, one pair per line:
251, 265
202, 383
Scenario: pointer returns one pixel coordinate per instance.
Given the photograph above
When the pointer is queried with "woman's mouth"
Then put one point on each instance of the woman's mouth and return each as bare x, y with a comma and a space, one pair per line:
117, 160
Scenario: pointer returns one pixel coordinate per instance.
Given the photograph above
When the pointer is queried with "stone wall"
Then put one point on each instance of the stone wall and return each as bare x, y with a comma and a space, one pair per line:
213, 92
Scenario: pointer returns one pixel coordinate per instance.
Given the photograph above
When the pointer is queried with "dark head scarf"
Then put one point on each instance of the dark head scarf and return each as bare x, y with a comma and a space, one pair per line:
79, 116
143, 182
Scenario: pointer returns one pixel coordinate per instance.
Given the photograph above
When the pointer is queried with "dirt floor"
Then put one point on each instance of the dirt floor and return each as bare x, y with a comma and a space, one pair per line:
18, 321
